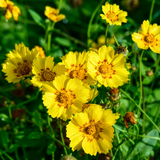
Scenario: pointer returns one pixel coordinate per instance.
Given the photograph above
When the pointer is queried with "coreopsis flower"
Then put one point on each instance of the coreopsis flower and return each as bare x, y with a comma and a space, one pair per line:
45, 71
65, 97
10, 9
113, 15
40, 51
76, 64
149, 37
92, 130
53, 14
18, 65
129, 118
107, 68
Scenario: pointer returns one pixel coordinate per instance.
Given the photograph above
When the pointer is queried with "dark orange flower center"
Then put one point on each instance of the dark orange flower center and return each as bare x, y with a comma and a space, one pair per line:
104, 69
63, 98
112, 16
91, 130
23, 69
47, 75
80, 74
149, 38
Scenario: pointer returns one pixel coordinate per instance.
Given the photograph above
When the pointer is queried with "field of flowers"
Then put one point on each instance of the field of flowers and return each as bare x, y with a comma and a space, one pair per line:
79, 80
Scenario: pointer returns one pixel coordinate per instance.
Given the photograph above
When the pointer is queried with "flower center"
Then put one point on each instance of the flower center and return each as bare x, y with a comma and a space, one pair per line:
112, 16
48, 76
91, 130
63, 98
80, 74
149, 38
23, 69
104, 69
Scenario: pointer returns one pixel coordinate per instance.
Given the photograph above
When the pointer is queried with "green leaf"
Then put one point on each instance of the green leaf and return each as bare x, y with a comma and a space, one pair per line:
63, 41
34, 135
144, 147
4, 138
148, 80
4, 117
148, 143
51, 148
12, 148
37, 119
37, 18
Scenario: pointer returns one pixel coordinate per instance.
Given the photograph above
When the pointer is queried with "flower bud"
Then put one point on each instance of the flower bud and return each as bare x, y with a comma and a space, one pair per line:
149, 73
120, 49
68, 157
134, 68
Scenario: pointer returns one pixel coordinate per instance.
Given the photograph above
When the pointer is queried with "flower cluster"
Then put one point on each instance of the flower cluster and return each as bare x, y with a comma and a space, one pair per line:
70, 86
10, 9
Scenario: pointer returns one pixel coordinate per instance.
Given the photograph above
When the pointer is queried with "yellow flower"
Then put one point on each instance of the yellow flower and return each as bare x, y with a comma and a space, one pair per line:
149, 37
40, 51
53, 14
92, 130
18, 65
65, 97
10, 9
76, 64
45, 71
107, 68
113, 15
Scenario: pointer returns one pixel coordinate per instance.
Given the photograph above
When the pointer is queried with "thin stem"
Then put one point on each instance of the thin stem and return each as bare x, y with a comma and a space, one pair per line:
2, 157
140, 77
70, 37
137, 130
118, 140
150, 91
10, 158
116, 40
49, 123
141, 110
90, 22
50, 36
24, 153
16, 153
94, 91
106, 34
59, 5
151, 11
60, 127
157, 114
10, 112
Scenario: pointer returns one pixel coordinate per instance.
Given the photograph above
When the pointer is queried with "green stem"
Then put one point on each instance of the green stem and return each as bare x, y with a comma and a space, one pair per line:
50, 36
137, 130
10, 158
151, 11
2, 157
116, 40
59, 5
70, 37
94, 91
24, 153
60, 127
141, 110
118, 140
157, 114
10, 112
16, 153
150, 91
106, 34
140, 77
90, 22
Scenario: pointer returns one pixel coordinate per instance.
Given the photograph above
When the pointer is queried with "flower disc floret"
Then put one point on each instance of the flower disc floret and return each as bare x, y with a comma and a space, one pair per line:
65, 97
107, 68
113, 15
149, 37
92, 130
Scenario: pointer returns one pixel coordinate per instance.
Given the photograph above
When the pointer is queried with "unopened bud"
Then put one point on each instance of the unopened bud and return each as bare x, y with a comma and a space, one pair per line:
116, 104
149, 73
120, 49
68, 157
134, 68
